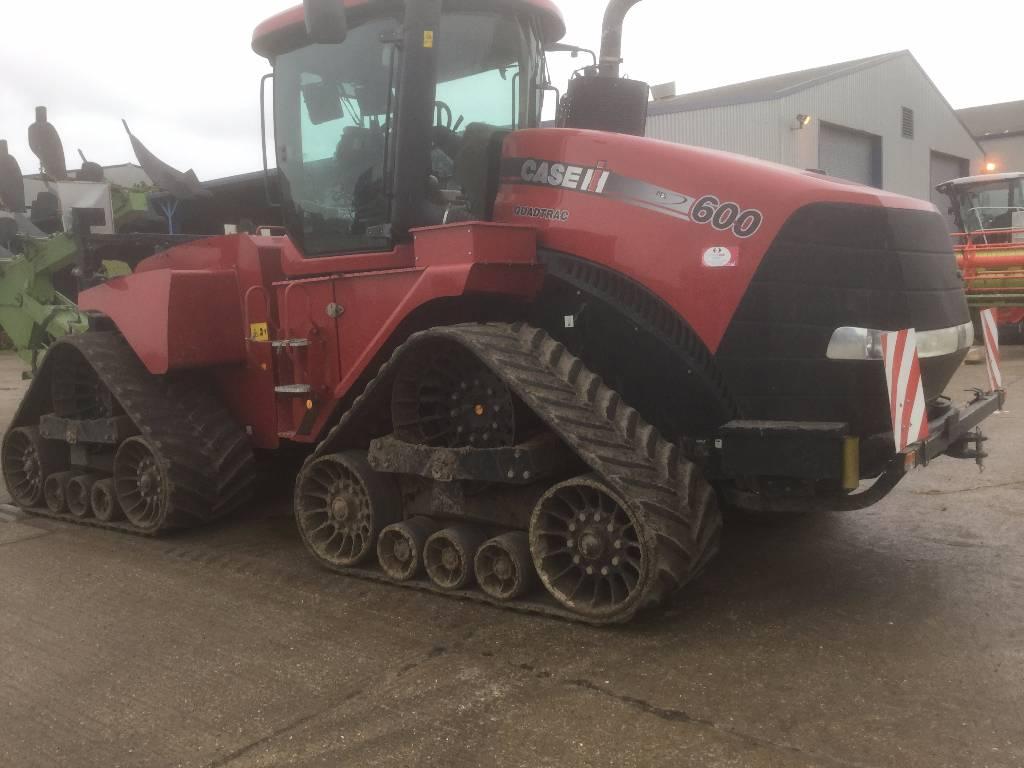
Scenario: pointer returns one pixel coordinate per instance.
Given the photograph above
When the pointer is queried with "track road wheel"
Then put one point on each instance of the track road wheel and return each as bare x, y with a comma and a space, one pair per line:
592, 550
400, 547
449, 556
503, 566
342, 505
103, 500
79, 493
55, 489
141, 484
28, 460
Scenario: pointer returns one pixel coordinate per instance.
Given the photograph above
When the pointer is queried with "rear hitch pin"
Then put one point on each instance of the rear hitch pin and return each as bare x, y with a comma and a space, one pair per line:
979, 454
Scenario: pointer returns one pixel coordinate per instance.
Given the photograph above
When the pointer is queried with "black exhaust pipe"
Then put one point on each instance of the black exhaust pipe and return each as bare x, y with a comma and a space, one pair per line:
611, 36
606, 102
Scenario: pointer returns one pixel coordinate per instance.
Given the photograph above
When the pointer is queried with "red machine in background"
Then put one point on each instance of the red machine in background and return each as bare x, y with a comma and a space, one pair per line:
524, 356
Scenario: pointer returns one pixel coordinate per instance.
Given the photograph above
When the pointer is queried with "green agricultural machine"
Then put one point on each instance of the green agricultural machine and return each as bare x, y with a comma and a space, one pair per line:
75, 233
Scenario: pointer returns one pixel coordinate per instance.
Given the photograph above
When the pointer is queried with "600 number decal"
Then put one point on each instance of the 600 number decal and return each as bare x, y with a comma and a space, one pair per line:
722, 216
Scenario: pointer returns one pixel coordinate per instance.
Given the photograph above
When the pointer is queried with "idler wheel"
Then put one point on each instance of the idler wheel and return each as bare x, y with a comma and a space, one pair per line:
592, 551
400, 547
448, 556
503, 566
28, 460
141, 485
342, 505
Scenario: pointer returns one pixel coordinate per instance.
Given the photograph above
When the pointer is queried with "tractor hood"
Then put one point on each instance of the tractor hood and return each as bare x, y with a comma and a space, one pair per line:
764, 263
690, 224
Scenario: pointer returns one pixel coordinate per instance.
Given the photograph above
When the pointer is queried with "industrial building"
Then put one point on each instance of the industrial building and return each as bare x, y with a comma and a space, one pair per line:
878, 121
999, 128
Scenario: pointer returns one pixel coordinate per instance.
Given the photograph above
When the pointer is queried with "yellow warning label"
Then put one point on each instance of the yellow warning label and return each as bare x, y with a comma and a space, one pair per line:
259, 332
428, 38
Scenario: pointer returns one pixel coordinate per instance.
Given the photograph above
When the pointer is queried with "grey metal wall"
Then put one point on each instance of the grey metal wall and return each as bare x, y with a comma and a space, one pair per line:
869, 100
1006, 152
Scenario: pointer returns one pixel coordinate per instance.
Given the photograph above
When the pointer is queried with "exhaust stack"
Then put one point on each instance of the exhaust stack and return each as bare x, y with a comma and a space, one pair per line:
601, 100
611, 36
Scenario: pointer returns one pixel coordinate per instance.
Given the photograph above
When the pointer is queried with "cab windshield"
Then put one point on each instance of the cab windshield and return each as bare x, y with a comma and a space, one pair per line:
998, 205
336, 124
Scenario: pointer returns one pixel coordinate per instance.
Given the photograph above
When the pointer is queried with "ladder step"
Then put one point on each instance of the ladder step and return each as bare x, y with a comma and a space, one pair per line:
293, 389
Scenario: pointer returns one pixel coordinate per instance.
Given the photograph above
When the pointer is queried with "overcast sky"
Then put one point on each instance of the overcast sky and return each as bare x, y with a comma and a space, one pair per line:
184, 76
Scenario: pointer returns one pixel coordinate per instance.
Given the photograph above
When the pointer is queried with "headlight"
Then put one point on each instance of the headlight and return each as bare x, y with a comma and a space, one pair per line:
866, 344
855, 344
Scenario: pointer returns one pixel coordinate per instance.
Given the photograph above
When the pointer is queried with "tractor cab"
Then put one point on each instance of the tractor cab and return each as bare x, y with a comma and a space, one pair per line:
395, 120
989, 209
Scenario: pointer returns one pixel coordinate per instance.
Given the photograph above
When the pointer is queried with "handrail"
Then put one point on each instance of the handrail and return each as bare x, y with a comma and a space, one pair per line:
986, 232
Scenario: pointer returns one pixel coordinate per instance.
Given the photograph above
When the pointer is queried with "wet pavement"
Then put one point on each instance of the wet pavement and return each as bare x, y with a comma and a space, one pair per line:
888, 637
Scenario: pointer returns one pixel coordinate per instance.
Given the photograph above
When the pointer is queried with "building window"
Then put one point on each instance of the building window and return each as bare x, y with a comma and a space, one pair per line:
908, 123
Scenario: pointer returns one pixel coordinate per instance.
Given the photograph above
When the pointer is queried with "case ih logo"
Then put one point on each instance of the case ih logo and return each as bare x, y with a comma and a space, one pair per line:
565, 176
598, 180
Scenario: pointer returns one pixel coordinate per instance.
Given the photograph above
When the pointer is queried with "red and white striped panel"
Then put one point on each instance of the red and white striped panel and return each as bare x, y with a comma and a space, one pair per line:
906, 393
990, 330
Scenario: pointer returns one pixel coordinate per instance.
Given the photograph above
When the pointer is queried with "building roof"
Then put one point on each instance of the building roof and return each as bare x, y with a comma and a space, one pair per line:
239, 179
122, 174
767, 88
994, 119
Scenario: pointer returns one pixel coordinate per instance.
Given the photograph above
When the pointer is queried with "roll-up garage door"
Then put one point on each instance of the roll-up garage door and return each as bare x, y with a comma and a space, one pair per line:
849, 154
946, 168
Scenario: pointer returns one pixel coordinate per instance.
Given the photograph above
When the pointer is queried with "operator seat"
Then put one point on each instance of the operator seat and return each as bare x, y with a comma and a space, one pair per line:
478, 167
359, 159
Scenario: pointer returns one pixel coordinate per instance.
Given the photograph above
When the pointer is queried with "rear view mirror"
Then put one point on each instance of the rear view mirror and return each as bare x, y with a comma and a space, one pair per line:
325, 21
323, 104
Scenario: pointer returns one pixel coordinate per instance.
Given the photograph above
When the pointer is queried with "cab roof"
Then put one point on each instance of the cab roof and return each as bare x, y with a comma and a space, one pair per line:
287, 30
985, 178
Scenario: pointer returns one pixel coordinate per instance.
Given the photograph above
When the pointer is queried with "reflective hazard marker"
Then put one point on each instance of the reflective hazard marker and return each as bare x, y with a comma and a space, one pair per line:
906, 393
990, 330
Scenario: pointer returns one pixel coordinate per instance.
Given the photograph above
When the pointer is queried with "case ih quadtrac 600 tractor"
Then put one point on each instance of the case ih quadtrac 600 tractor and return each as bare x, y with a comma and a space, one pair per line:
535, 363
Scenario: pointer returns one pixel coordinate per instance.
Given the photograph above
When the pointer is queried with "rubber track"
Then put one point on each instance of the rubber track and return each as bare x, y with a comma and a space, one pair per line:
207, 457
679, 506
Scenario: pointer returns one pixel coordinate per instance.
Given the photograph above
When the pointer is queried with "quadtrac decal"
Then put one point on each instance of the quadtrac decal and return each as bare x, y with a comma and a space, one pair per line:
598, 180
547, 214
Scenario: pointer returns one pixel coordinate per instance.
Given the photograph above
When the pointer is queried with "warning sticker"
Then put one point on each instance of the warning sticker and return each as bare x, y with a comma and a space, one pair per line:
259, 332
721, 256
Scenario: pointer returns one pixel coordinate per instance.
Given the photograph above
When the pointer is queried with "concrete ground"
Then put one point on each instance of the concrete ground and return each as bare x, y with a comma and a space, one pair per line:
890, 637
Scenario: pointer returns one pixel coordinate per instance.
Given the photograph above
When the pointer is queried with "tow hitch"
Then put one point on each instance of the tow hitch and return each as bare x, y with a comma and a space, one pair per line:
970, 446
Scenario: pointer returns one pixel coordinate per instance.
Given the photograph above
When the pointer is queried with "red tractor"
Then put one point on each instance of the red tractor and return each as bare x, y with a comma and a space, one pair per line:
533, 364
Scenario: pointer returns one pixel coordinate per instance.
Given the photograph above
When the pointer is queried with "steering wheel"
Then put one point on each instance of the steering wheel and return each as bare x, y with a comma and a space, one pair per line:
445, 116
